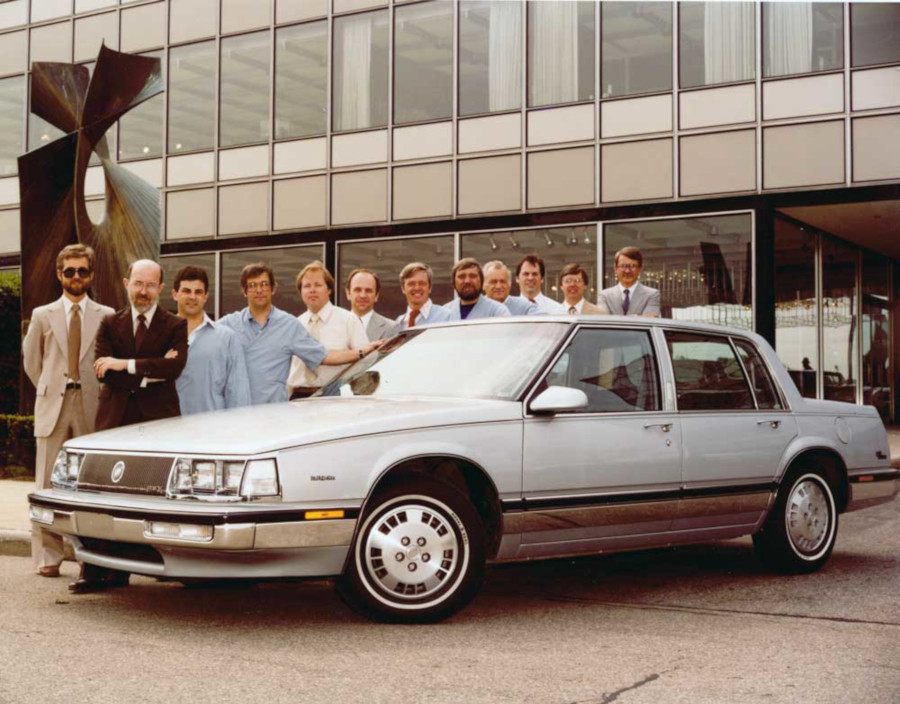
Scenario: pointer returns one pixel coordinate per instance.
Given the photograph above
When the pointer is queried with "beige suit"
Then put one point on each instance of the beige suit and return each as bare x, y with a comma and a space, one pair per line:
59, 413
588, 308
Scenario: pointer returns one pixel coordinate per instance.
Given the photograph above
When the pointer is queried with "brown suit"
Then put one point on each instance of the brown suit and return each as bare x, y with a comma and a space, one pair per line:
59, 413
122, 398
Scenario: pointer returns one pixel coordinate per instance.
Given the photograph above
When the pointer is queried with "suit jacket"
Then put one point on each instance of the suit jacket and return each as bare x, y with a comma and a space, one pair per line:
46, 361
590, 309
644, 300
380, 327
116, 339
437, 314
484, 308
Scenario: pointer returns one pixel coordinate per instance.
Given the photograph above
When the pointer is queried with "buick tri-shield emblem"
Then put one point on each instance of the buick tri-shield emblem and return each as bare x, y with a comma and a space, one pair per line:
117, 471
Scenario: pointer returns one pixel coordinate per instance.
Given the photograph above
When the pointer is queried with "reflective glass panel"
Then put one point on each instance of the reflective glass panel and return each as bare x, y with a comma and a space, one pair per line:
360, 81
301, 80
560, 52
796, 323
875, 32
12, 106
708, 376
423, 56
760, 381
701, 266
172, 265
636, 47
141, 129
388, 257
876, 333
490, 56
802, 37
244, 90
40, 132
839, 321
192, 97
286, 263
716, 43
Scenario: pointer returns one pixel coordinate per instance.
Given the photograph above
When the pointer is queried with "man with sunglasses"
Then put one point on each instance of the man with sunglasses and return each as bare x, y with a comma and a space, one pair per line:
630, 296
58, 355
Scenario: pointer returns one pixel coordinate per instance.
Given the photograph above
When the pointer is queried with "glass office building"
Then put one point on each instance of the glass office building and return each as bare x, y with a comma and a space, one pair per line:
750, 149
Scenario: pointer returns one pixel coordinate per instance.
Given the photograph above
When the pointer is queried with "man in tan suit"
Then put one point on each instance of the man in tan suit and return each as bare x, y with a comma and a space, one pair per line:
58, 354
573, 280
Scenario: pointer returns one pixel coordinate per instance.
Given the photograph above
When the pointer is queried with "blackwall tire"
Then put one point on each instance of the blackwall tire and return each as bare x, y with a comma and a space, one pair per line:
418, 556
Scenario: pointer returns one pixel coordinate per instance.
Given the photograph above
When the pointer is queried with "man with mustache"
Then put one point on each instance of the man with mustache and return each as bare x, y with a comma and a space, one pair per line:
468, 281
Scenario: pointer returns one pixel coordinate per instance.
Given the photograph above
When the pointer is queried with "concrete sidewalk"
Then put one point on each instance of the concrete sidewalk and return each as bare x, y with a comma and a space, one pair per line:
15, 528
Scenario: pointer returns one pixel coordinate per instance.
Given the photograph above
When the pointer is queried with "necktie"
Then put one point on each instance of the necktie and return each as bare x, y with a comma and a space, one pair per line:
412, 317
626, 303
74, 351
314, 325
140, 333
573, 310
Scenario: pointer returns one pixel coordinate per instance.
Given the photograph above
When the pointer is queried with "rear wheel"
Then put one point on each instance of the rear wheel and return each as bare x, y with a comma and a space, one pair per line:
800, 532
418, 556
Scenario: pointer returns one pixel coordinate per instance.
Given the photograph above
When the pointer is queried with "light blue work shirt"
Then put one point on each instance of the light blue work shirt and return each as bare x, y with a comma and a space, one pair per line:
484, 308
268, 350
215, 376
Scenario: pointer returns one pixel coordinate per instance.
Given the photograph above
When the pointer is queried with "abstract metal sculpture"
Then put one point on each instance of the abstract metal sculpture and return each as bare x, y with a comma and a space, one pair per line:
52, 178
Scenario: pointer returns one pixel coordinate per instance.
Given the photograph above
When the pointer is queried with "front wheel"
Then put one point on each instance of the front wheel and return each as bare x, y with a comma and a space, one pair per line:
418, 556
800, 532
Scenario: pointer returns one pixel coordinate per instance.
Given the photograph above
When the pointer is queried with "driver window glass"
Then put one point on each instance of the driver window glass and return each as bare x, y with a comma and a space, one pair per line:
759, 376
615, 369
708, 376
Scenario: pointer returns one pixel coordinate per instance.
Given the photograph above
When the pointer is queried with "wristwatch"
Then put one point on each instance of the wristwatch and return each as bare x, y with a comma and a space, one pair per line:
361, 353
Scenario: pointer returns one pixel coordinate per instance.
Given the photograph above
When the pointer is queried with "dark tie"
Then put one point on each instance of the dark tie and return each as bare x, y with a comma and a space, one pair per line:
573, 310
140, 333
412, 317
626, 303
74, 350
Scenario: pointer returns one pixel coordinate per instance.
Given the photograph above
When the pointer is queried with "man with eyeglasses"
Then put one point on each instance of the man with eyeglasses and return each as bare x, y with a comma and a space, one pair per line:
58, 356
573, 280
630, 296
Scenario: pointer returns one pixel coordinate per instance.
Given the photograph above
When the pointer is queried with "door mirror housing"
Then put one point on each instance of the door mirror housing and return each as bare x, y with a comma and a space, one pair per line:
558, 399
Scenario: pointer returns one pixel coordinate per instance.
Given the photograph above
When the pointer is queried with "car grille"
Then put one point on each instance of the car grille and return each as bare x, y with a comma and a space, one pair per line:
125, 551
143, 474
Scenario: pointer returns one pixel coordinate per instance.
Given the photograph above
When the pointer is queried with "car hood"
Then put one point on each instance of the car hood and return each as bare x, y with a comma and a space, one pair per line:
267, 428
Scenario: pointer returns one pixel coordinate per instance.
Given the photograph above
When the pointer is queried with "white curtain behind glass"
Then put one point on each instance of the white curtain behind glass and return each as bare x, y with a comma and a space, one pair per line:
504, 56
554, 56
728, 42
788, 29
354, 79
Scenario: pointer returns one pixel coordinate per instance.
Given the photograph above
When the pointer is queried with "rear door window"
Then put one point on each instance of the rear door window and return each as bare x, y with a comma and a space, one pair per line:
708, 375
763, 386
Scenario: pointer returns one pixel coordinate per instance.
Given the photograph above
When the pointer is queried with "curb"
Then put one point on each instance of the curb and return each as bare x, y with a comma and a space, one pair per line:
15, 543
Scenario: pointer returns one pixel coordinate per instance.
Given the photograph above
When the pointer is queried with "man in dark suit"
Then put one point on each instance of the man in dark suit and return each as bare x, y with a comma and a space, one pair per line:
140, 352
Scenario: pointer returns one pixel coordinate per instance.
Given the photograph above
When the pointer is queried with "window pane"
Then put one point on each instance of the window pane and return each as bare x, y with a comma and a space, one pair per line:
636, 47
490, 56
716, 43
615, 369
172, 265
766, 397
708, 376
701, 266
423, 73
192, 97
141, 129
876, 333
286, 263
244, 91
875, 29
839, 323
796, 327
802, 37
360, 71
557, 246
387, 257
301, 78
12, 105
40, 132
560, 52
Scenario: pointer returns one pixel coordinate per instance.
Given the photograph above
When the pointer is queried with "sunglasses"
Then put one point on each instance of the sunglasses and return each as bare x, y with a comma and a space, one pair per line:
70, 272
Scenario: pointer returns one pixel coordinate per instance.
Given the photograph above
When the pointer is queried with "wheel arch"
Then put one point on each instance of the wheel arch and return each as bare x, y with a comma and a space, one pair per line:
831, 463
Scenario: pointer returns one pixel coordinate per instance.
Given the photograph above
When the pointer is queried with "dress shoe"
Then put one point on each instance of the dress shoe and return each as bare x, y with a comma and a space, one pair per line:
97, 579
49, 571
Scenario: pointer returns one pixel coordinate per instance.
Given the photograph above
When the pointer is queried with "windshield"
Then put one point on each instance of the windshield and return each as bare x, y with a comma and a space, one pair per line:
470, 361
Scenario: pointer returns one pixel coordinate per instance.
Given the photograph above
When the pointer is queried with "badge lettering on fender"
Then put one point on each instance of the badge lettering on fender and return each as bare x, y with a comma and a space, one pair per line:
321, 478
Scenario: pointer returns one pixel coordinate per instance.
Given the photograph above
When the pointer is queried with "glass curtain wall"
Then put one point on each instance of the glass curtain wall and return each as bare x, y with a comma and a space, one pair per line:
360, 71
840, 323
12, 104
286, 263
423, 61
561, 45
192, 97
876, 332
716, 43
490, 56
635, 48
875, 32
802, 37
701, 266
244, 89
301, 80
141, 129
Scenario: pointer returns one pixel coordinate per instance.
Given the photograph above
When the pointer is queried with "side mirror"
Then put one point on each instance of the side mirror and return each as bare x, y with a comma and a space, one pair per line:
558, 399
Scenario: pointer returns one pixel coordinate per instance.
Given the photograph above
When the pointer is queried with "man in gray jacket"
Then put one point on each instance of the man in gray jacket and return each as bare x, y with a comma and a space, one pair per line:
630, 296
363, 288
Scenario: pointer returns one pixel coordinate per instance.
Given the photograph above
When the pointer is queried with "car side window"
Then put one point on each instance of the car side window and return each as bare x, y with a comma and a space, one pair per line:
762, 383
616, 369
708, 376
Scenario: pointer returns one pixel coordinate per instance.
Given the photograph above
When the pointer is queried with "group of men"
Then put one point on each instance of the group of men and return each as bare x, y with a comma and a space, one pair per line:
95, 368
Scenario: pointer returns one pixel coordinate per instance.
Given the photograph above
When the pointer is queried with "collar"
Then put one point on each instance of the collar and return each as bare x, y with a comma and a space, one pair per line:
578, 306
424, 311
324, 312
477, 301
68, 303
148, 316
247, 316
207, 321
366, 319
632, 288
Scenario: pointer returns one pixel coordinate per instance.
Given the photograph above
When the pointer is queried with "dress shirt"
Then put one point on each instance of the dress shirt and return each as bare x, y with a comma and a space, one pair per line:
339, 329
148, 316
268, 350
215, 376
483, 307
548, 305
366, 318
424, 312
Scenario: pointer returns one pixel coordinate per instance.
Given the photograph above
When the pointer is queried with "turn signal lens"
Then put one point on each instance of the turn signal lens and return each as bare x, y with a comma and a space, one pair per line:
58, 477
41, 515
181, 531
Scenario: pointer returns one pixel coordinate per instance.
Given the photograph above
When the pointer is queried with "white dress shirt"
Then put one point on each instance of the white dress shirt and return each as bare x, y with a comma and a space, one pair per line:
578, 307
366, 318
338, 329
148, 317
548, 305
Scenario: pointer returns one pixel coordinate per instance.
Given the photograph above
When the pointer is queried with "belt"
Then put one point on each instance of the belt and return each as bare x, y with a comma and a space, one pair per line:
73, 385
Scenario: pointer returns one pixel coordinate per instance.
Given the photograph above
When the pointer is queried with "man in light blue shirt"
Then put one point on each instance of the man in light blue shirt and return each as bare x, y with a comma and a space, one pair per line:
416, 282
272, 337
468, 280
215, 376
497, 284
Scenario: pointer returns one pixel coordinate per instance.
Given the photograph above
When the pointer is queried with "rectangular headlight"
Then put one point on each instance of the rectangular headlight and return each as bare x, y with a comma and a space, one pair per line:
58, 477
260, 479
203, 475
232, 474
200, 477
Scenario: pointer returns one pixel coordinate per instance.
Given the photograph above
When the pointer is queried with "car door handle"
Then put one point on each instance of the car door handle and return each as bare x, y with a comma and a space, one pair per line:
665, 427
774, 424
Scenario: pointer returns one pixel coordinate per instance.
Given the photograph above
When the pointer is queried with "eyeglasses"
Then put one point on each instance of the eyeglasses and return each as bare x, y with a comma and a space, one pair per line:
259, 286
572, 281
628, 267
144, 285
70, 271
